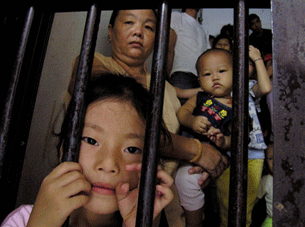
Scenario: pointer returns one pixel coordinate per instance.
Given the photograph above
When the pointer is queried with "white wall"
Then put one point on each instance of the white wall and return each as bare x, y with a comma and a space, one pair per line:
214, 19
63, 48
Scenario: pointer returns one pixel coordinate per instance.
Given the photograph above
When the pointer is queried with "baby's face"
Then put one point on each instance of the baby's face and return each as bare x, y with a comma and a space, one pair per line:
113, 137
215, 74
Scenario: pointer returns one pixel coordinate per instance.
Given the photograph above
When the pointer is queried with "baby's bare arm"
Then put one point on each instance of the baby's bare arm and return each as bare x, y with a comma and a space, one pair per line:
185, 113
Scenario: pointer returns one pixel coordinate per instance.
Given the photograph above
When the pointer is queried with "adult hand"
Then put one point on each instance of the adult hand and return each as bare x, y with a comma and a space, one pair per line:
205, 177
212, 161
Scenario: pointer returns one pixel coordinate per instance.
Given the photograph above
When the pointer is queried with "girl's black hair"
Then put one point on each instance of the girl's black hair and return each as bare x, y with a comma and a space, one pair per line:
115, 14
116, 88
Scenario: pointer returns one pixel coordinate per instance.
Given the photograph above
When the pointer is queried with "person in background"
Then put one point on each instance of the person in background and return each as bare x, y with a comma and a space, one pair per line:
259, 86
223, 42
266, 186
260, 38
188, 40
227, 30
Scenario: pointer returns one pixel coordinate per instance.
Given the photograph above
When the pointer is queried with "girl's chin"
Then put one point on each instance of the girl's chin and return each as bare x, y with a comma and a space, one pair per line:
102, 206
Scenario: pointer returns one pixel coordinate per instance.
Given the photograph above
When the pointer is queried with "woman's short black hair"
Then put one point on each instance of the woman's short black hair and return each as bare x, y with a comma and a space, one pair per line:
115, 14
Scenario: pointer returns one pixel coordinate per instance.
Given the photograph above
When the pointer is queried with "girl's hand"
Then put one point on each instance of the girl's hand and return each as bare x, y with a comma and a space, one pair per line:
128, 200
64, 190
254, 53
201, 125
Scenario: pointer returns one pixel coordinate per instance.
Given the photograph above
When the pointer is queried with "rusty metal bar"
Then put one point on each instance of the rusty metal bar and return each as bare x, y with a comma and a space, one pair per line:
239, 158
289, 106
77, 112
7, 112
152, 134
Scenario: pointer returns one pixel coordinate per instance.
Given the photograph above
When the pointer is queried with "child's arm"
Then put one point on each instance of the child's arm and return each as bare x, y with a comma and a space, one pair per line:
59, 195
198, 124
186, 93
221, 141
128, 200
263, 86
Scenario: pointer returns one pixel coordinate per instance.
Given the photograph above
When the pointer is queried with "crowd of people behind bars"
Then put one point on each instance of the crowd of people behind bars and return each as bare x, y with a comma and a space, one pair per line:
196, 154
206, 114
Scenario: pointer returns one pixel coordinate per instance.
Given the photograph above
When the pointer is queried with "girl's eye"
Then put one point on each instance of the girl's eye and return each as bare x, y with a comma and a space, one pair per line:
90, 141
133, 150
207, 74
128, 22
222, 71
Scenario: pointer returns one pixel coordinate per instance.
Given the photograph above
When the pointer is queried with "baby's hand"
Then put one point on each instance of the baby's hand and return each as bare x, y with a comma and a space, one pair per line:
200, 124
128, 200
62, 191
215, 135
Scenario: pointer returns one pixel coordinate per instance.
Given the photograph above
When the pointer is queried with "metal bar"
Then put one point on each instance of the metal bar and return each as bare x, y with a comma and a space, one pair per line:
24, 101
152, 134
288, 102
6, 118
51, 6
77, 112
239, 158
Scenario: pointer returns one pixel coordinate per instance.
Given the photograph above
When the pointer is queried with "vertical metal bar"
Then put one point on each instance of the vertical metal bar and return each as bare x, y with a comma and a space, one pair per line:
239, 158
152, 134
77, 112
7, 113
289, 106
24, 101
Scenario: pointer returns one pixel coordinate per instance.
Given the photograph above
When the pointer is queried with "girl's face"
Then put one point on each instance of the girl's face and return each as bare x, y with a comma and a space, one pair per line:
223, 44
132, 36
215, 74
113, 137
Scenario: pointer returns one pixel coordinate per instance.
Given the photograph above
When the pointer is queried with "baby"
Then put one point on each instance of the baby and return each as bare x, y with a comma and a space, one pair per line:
208, 114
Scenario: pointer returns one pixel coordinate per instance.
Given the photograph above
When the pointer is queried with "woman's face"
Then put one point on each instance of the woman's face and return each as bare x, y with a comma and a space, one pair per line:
132, 36
113, 137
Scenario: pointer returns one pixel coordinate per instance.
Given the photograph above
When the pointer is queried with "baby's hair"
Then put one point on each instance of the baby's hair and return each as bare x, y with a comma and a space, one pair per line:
215, 50
117, 88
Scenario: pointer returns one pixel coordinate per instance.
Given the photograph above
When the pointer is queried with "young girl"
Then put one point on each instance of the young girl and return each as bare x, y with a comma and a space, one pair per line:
208, 114
102, 188
259, 85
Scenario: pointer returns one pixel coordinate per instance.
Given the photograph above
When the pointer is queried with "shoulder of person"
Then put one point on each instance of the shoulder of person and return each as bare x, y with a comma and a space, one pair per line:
176, 20
18, 217
100, 57
107, 64
267, 30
